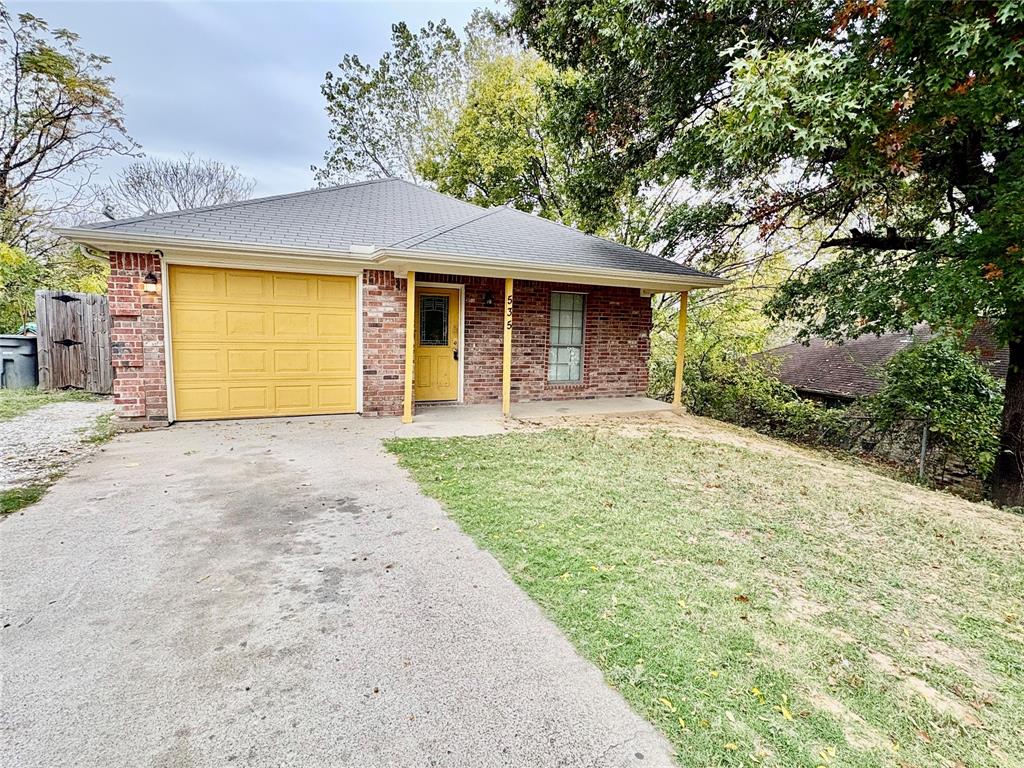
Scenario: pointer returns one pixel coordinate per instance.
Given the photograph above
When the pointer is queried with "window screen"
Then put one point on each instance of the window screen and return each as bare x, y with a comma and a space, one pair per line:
433, 321
565, 360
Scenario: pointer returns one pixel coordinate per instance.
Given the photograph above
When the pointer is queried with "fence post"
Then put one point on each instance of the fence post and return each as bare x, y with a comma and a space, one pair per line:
924, 451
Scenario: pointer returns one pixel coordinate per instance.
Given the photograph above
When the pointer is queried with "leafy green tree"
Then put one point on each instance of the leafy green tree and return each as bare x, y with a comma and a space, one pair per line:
499, 151
58, 116
892, 127
943, 385
384, 115
21, 275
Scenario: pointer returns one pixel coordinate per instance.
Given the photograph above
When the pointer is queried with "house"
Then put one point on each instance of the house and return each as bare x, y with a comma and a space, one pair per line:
370, 298
840, 373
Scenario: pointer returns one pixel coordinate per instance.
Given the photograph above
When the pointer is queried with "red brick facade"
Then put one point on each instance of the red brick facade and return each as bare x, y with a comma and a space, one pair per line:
617, 324
137, 339
616, 345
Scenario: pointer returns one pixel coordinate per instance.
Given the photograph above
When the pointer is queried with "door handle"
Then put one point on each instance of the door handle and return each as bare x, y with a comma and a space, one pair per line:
455, 353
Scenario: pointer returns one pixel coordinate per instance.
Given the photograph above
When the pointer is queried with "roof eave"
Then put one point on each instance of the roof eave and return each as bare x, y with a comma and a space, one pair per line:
396, 259
403, 260
145, 243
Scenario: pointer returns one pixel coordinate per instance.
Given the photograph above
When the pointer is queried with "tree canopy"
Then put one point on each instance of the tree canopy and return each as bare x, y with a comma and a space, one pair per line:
888, 133
58, 116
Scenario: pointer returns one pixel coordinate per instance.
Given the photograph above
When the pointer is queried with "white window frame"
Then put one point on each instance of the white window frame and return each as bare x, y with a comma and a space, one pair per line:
583, 340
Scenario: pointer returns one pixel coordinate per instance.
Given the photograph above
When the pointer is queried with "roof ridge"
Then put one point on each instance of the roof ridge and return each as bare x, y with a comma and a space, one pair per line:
236, 204
441, 229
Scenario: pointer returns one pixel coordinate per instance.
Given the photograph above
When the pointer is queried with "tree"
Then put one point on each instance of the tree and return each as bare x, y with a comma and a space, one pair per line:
893, 127
157, 186
383, 116
499, 151
21, 276
58, 116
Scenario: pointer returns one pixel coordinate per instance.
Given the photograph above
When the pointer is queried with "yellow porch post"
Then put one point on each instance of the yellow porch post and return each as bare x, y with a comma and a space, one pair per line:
677, 394
506, 353
410, 334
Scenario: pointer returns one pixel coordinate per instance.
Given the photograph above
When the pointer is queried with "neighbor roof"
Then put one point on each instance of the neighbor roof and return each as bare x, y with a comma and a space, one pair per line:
850, 369
388, 214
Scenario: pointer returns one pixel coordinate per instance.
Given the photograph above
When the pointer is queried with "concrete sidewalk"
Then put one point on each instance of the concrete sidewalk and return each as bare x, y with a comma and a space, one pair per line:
279, 593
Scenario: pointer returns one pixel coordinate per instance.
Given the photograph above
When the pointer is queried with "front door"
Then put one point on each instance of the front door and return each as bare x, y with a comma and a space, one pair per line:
437, 344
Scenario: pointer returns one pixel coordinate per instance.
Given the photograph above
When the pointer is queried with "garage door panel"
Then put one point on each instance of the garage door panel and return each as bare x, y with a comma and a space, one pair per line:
297, 289
337, 292
335, 325
196, 283
246, 285
199, 362
199, 322
301, 325
245, 361
204, 400
336, 361
335, 395
253, 398
247, 343
246, 324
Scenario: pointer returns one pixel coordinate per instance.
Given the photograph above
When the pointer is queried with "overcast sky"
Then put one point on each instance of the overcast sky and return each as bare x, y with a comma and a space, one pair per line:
235, 81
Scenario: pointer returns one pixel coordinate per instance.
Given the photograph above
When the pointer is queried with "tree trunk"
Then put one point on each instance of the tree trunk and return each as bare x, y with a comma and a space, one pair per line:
1008, 473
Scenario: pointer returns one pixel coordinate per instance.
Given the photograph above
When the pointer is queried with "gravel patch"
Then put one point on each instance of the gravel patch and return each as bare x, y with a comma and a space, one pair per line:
47, 440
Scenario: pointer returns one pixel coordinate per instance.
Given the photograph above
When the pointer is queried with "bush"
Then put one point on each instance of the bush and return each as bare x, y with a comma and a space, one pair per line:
747, 394
940, 383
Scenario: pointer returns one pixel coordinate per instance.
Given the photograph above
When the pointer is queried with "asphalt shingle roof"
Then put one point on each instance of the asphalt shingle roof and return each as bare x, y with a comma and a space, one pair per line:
398, 214
850, 369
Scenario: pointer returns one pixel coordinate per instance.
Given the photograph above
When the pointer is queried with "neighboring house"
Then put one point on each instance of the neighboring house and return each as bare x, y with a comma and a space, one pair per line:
327, 301
840, 373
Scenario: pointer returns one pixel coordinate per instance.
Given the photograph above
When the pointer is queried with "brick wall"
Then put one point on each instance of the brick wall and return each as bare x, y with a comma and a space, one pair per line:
137, 339
616, 342
617, 325
383, 343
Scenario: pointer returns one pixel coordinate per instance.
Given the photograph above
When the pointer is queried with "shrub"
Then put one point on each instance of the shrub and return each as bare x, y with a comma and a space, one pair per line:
937, 381
747, 394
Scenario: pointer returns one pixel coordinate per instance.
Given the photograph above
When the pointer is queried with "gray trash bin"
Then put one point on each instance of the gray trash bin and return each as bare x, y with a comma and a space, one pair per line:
18, 369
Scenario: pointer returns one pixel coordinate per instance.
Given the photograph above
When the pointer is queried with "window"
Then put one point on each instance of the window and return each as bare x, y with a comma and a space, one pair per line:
565, 359
433, 321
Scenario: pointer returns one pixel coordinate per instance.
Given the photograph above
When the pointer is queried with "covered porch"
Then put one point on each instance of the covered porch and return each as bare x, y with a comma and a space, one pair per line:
520, 347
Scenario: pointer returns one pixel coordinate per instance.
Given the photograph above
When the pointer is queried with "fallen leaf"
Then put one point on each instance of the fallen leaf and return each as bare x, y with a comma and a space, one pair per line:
732, 746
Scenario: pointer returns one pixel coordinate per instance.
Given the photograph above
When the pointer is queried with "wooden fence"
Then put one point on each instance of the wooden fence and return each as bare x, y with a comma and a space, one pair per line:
74, 341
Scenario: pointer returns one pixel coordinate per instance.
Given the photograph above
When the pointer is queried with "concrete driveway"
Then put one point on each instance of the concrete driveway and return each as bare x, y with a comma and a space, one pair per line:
279, 593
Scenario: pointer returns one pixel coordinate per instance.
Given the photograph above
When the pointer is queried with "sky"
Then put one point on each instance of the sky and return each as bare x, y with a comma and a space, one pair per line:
235, 81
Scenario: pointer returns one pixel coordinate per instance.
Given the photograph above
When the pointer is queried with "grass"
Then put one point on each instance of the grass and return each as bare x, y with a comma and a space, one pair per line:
103, 431
760, 606
15, 402
18, 498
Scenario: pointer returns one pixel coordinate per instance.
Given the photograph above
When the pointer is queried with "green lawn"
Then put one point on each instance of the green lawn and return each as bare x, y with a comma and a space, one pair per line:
762, 606
15, 402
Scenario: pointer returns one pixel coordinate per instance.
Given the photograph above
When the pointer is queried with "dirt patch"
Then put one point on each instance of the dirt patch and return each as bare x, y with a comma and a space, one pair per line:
912, 684
968, 662
858, 732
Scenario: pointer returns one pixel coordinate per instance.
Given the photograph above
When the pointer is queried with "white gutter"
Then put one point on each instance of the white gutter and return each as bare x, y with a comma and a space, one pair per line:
398, 260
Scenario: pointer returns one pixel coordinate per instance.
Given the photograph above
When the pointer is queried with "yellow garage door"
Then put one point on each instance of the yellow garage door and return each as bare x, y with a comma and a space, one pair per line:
251, 343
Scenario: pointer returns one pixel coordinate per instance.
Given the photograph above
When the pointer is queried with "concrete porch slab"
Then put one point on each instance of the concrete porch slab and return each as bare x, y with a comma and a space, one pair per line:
467, 420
